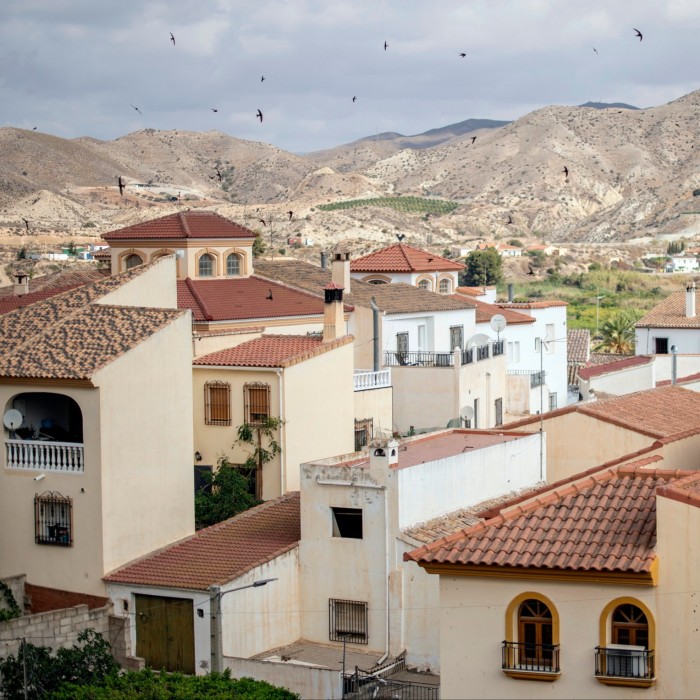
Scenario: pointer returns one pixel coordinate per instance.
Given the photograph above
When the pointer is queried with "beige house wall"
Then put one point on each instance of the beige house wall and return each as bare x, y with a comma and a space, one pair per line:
682, 454
146, 445
77, 568
214, 441
375, 404
205, 344
470, 662
595, 443
361, 326
319, 411
284, 326
154, 288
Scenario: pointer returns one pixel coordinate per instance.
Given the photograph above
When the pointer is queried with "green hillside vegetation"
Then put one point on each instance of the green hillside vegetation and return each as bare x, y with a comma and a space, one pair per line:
620, 291
407, 205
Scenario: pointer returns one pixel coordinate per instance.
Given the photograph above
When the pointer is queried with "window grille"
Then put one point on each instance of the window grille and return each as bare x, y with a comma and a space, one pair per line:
445, 287
53, 519
424, 284
217, 403
348, 620
257, 402
364, 432
206, 265
233, 265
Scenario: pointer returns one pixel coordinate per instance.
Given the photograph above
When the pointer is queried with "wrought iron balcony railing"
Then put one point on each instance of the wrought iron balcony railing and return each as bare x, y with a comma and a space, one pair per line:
622, 661
522, 656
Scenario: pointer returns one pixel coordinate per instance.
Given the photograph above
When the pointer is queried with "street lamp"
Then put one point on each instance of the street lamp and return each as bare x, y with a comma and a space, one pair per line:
215, 597
597, 311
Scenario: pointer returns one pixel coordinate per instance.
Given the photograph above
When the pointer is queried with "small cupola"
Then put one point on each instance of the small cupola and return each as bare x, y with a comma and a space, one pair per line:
21, 283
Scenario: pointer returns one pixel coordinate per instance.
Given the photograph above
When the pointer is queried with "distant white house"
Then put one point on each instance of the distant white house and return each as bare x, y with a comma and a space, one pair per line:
683, 262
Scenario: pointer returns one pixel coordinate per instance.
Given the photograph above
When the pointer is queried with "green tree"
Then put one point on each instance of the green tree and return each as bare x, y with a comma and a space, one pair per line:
225, 493
482, 267
617, 334
146, 685
262, 437
89, 661
259, 246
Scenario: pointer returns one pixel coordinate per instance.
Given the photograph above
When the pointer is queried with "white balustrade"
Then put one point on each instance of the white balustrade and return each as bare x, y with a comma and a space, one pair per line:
65, 457
367, 379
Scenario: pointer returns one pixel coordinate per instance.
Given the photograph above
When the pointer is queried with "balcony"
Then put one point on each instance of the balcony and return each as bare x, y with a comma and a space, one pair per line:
45, 455
428, 358
365, 379
537, 378
622, 664
535, 662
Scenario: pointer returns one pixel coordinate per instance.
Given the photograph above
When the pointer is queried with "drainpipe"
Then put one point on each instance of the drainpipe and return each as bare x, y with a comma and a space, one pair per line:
674, 365
375, 330
283, 454
510, 292
387, 564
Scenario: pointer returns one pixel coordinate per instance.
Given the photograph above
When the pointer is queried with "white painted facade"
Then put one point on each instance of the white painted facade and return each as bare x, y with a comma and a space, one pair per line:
431, 280
649, 341
428, 331
401, 601
616, 383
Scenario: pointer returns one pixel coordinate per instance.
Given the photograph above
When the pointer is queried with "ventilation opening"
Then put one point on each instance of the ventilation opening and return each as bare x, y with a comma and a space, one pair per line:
347, 522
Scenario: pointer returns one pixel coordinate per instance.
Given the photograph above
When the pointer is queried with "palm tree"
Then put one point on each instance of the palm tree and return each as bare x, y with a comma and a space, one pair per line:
617, 334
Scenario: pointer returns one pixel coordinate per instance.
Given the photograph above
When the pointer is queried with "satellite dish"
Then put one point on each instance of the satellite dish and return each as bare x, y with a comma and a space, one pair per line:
478, 339
467, 412
12, 420
498, 323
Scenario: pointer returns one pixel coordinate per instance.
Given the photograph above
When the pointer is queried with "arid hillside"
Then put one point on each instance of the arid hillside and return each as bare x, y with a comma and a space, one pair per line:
631, 175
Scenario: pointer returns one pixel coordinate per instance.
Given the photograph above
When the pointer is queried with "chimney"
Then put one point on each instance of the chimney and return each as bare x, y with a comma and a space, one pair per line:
340, 268
383, 454
21, 283
690, 300
324, 261
333, 317
510, 292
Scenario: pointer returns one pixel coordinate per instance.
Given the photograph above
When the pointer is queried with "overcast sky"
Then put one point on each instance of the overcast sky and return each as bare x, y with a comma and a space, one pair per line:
74, 67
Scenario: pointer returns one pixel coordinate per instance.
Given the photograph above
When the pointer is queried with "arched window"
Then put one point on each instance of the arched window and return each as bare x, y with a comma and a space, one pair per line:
206, 265
133, 260
424, 284
233, 265
445, 287
376, 281
535, 639
629, 625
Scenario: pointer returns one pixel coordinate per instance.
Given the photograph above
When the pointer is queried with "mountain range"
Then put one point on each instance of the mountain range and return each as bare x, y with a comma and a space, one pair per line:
631, 174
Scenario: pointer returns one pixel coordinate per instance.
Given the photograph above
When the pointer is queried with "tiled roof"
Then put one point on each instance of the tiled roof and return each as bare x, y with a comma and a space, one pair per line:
390, 298
625, 363
604, 522
222, 552
604, 358
271, 351
485, 312
659, 413
245, 298
670, 313
472, 291
69, 337
57, 282
185, 224
531, 304
578, 345
403, 258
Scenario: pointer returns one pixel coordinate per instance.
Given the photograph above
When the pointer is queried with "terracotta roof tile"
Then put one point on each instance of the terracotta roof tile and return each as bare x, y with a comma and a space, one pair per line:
670, 313
245, 298
578, 345
272, 351
69, 336
485, 312
531, 304
186, 224
625, 363
604, 522
57, 282
222, 552
403, 258
390, 298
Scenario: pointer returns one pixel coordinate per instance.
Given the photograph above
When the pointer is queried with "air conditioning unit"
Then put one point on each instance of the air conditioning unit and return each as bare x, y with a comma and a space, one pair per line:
626, 660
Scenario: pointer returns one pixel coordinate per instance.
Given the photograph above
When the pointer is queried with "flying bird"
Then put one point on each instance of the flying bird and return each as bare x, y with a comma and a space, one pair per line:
219, 175
269, 294
463, 55
401, 236
259, 116
473, 139
291, 214
262, 221
26, 223
566, 172
385, 46
596, 50
354, 99
137, 109
214, 110
510, 219
638, 33
262, 78
530, 271
172, 38
33, 128
122, 185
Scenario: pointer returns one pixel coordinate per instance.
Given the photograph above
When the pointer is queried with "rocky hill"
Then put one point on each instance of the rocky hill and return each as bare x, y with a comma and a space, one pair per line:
632, 173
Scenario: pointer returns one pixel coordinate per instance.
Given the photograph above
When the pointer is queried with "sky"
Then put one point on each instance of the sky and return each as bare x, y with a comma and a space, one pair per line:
76, 68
